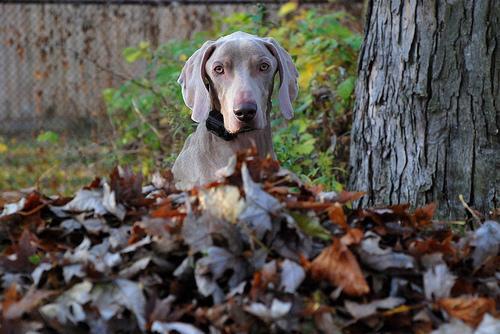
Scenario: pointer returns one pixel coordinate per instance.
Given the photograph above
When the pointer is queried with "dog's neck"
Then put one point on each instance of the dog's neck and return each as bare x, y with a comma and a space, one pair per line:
261, 139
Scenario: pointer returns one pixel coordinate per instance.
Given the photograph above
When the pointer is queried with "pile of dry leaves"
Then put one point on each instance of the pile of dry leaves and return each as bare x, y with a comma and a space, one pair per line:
258, 253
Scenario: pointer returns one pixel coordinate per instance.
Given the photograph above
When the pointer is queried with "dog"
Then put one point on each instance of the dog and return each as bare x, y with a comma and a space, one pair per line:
228, 85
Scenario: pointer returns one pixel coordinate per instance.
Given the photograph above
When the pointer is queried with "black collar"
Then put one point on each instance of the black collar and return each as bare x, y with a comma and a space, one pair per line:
215, 124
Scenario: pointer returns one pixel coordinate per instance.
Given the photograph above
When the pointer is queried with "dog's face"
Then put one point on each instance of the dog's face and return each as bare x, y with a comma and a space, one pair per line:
241, 75
235, 75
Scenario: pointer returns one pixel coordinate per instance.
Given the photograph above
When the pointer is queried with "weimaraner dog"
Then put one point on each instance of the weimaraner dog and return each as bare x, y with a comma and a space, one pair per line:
228, 85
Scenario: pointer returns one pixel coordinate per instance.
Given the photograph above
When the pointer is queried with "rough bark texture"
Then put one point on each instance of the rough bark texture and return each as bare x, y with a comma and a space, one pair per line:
426, 119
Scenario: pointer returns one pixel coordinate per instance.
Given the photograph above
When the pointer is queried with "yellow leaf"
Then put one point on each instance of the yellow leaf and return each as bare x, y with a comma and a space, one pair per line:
145, 169
183, 57
143, 45
306, 75
287, 8
3, 148
396, 310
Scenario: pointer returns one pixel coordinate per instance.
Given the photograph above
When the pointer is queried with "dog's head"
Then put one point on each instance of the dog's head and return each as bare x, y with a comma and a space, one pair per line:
235, 75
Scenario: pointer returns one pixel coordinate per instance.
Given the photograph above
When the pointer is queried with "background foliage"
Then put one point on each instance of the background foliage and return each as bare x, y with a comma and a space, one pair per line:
150, 117
150, 122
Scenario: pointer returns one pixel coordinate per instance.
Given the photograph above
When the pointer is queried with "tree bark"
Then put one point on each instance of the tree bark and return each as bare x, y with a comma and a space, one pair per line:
426, 117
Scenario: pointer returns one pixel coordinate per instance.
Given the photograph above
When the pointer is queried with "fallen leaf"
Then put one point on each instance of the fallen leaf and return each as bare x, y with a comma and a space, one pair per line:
381, 259
292, 276
222, 202
311, 226
339, 266
11, 208
467, 308
27, 303
489, 325
438, 282
454, 327
352, 237
11, 296
178, 327
365, 310
259, 205
337, 216
486, 242
277, 310
423, 216
346, 196
69, 306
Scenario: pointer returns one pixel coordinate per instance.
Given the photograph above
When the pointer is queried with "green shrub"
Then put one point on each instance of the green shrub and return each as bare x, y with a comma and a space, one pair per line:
151, 121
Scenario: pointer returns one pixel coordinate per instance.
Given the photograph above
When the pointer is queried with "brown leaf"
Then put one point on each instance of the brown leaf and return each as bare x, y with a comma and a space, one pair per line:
338, 265
429, 246
30, 300
166, 211
346, 196
306, 205
337, 216
17, 256
128, 187
468, 309
423, 216
352, 237
10, 297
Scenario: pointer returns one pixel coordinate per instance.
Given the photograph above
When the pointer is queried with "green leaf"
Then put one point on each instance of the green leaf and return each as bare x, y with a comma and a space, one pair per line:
107, 94
345, 89
354, 41
305, 148
144, 45
311, 226
132, 54
48, 137
35, 259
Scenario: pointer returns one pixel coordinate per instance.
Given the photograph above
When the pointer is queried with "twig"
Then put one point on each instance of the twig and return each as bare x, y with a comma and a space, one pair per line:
466, 206
144, 120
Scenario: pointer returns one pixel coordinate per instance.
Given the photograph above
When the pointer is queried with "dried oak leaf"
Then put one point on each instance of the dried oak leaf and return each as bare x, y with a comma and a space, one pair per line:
338, 265
17, 256
292, 275
29, 301
438, 282
10, 297
353, 237
380, 259
431, 245
128, 187
346, 196
486, 242
358, 310
468, 309
337, 216
423, 216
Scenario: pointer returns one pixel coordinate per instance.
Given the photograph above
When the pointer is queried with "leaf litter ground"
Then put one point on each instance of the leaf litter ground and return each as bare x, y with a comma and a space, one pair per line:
259, 252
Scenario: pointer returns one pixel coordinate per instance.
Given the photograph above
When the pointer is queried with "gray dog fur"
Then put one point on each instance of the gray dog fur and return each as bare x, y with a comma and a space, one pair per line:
239, 70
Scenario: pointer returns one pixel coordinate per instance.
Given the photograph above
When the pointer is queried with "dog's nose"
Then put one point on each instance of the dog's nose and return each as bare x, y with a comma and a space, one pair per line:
245, 112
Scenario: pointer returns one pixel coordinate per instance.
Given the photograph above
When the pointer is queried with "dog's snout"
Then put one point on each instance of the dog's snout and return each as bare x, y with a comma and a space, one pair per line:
245, 112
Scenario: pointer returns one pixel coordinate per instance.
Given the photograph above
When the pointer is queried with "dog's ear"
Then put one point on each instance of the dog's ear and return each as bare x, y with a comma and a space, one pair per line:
193, 82
288, 77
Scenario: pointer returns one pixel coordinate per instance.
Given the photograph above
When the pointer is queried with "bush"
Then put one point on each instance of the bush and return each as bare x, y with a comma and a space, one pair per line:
151, 121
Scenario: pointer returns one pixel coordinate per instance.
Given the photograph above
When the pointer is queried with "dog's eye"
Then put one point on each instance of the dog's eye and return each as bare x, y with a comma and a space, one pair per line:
219, 69
264, 67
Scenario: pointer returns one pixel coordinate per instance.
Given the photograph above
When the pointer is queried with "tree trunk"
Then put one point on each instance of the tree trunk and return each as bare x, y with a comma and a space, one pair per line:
426, 118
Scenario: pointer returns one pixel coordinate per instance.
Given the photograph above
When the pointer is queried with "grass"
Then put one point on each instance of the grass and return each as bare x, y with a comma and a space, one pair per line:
53, 168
